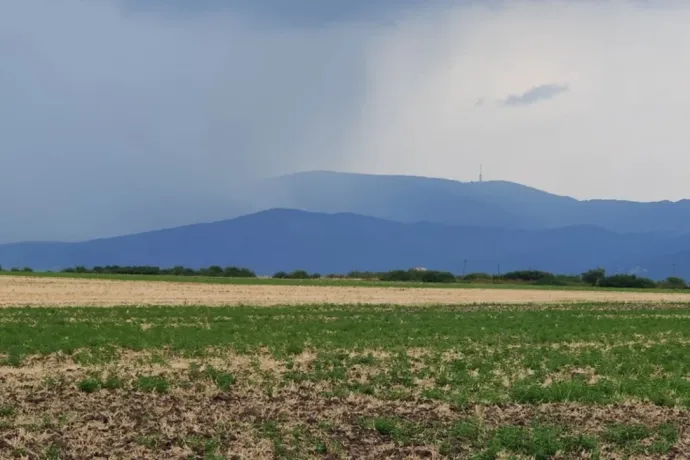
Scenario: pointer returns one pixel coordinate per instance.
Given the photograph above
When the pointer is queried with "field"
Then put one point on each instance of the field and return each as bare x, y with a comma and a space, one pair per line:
86, 291
337, 282
339, 372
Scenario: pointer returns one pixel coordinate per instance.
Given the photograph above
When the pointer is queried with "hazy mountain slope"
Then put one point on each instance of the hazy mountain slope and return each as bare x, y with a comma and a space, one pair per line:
400, 198
283, 239
493, 203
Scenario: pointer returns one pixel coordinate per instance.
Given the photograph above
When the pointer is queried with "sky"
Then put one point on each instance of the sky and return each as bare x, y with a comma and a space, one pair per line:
119, 116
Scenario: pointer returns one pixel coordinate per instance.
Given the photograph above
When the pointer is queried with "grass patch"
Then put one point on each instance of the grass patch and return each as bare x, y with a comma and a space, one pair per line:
152, 384
223, 380
641, 439
579, 354
89, 385
6, 411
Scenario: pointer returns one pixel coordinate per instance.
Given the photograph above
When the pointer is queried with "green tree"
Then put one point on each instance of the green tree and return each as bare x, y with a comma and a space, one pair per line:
213, 270
626, 281
674, 282
593, 277
299, 275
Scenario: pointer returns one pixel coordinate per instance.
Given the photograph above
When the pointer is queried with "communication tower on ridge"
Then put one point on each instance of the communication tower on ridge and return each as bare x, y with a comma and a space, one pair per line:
481, 173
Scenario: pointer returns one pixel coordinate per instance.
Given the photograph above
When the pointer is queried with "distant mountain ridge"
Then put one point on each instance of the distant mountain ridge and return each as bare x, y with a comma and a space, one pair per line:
286, 239
332, 222
490, 203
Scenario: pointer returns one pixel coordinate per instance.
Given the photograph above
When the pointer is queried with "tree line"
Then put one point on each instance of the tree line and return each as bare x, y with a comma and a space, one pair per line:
151, 270
594, 277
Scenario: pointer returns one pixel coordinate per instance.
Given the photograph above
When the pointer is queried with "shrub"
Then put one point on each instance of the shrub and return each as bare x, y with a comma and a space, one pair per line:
364, 275
569, 279
295, 275
626, 281
141, 270
593, 277
551, 281
423, 276
526, 275
477, 277
437, 277
397, 275
299, 275
674, 282
178, 270
213, 270
237, 272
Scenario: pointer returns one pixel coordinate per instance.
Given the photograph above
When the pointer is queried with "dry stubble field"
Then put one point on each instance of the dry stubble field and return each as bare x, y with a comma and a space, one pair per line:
19, 291
304, 372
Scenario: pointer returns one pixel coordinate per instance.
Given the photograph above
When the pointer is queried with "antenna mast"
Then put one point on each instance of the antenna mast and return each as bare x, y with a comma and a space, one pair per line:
481, 173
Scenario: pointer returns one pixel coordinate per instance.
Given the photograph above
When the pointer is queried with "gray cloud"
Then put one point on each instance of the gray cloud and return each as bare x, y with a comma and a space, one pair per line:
534, 95
301, 13
117, 122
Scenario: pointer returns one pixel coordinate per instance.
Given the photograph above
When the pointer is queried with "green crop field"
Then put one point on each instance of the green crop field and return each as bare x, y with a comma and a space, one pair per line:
576, 381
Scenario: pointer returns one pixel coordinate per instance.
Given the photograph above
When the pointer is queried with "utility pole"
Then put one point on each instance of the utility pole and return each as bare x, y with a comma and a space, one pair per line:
464, 266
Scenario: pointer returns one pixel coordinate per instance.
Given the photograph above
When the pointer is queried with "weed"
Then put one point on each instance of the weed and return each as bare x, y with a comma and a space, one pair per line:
152, 384
89, 385
223, 380
384, 426
14, 358
625, 434
112, 382
321, 448
152, 442
53, 453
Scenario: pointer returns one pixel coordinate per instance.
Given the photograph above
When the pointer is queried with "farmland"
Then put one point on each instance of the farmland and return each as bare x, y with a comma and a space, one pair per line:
185, 370
77, 291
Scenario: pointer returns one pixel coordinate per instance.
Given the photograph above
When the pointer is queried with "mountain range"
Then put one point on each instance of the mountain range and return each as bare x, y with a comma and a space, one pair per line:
491, 203
330, 222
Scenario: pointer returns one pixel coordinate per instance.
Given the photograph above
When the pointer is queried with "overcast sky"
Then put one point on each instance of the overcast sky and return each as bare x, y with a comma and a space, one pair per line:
125, 115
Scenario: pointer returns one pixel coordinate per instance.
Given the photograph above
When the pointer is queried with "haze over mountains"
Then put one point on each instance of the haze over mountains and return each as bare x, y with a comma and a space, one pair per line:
490, 203
337, 222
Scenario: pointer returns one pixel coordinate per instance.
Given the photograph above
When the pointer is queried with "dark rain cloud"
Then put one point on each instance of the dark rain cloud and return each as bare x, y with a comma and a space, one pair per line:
302, 13
115, 120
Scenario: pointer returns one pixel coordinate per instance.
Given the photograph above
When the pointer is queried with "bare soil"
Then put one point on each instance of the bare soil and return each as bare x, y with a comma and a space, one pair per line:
25, 291
127, 425
297, 421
